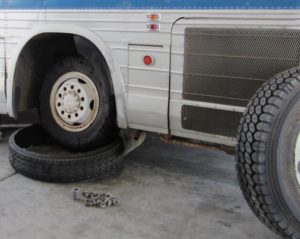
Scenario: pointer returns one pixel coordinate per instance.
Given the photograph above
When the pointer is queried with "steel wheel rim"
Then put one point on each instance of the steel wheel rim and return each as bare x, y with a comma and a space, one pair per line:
297, 159
74, 101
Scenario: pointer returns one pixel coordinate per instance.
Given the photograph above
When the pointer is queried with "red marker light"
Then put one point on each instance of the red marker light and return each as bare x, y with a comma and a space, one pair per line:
148, 60
153, 27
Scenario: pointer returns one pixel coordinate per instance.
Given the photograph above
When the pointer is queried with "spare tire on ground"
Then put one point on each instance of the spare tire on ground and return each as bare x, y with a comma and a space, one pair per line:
34, 154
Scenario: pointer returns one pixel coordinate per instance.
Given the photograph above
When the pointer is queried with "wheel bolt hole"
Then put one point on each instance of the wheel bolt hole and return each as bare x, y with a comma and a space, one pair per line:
76, 115
78, 90
62, 112
72, 87
65, 88
82, 98
59, 104
69, 116
81, 108
60, 95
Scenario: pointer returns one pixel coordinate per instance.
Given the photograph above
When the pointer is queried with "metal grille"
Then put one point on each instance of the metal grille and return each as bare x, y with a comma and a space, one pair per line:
219, 122
227, 66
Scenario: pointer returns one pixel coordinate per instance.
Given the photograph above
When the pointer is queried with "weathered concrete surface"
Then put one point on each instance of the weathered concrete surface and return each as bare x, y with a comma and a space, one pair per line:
165, 191
5, 169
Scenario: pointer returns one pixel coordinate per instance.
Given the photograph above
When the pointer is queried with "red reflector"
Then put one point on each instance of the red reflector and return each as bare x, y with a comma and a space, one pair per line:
153, 27
148, 60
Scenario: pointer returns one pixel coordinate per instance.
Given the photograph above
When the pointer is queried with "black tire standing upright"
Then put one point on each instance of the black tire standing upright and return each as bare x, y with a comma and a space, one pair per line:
76, 105
268, 154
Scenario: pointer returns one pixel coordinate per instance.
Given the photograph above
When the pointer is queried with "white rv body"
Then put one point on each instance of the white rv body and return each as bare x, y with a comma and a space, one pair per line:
124, 38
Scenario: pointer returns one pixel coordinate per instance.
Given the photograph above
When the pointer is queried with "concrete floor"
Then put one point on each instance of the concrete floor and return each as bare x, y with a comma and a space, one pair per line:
165, 191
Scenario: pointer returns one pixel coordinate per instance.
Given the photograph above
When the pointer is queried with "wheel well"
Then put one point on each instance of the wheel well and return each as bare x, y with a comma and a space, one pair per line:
39, 54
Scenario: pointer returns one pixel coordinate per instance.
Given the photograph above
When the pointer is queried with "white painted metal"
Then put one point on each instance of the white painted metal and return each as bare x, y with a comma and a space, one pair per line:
297, 159
141, 91
3, 108
74, 101
147, 88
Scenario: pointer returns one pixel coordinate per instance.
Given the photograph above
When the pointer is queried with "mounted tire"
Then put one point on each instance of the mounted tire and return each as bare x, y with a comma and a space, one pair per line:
76, 106
268, 154
36, 156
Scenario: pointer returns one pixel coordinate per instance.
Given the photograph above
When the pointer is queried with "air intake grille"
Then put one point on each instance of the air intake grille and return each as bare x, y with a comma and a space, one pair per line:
227, 66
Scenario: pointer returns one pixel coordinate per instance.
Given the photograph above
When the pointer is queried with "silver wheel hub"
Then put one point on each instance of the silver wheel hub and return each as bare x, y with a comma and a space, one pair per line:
74, 101
70, 102
297, 159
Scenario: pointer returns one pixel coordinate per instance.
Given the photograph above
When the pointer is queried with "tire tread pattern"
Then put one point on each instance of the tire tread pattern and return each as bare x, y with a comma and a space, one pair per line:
75, 168
253, 136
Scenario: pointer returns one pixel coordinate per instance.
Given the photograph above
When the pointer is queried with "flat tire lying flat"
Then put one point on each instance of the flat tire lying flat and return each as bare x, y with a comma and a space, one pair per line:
33, 154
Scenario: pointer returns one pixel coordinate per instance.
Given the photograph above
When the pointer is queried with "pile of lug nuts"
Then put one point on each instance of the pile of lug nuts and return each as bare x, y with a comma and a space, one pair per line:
92, 199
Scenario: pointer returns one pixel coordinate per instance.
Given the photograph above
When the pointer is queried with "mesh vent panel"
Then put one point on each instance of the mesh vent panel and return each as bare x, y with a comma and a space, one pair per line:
227, 66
